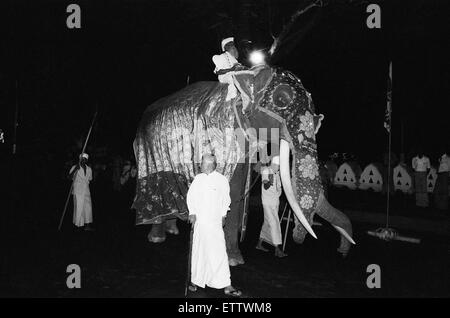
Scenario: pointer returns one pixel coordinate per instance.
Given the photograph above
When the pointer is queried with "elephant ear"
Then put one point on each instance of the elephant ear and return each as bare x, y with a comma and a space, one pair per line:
318, 122
263, 77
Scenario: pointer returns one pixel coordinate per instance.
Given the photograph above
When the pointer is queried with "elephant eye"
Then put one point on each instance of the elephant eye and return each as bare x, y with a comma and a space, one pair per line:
283, 96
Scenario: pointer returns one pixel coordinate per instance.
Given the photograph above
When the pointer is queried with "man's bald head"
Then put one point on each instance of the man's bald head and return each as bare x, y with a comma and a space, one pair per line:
209, 163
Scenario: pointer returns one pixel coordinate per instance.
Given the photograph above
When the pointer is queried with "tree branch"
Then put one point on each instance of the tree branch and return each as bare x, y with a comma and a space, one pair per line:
287, 27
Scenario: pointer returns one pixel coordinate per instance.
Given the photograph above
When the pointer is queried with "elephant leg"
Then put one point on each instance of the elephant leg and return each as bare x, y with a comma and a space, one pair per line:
234, 216
171, 226
157, 234
339, 220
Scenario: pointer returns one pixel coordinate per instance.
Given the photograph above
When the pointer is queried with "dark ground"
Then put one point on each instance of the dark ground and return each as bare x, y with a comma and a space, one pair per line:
117, 261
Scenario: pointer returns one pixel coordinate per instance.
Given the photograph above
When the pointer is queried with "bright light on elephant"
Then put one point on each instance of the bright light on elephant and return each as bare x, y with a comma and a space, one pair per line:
257, 58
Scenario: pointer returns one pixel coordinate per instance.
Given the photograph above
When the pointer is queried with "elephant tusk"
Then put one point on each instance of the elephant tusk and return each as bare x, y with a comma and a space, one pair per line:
287, 186
344, 233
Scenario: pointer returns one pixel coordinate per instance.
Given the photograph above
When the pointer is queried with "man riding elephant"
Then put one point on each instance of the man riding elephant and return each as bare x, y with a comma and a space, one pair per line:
176, 130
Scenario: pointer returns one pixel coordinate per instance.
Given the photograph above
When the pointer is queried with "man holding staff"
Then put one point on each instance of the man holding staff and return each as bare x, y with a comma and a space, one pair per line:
208, 201
81, 175
270, 196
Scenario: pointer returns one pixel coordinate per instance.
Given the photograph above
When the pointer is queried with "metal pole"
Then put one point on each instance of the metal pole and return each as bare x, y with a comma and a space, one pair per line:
284, 210
402, 132
7, 221
390, 141
287, 229
16, 120
389, 175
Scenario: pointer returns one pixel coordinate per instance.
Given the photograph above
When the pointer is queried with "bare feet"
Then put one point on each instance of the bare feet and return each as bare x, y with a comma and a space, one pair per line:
279, 253
259, 247
231, 291
192, 287
88, 227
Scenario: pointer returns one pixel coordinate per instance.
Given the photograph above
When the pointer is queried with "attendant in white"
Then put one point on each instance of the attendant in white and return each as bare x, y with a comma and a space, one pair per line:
270, 195
208, 201
421, 166
82, 206
441, 187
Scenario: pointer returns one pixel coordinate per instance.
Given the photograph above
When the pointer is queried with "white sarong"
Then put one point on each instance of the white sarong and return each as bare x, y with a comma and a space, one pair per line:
82, 205
271, 229
208, 199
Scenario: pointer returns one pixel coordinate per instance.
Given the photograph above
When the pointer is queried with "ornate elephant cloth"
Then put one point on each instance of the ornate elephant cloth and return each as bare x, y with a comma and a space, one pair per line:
286, 96
172, 136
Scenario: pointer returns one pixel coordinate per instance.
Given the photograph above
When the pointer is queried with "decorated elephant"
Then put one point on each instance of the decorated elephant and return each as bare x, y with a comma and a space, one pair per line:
176, 130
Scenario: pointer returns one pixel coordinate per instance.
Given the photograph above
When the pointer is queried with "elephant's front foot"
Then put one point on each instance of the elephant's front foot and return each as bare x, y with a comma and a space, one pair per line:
344, 250
171, 227
157, 233
299, 233
152, 239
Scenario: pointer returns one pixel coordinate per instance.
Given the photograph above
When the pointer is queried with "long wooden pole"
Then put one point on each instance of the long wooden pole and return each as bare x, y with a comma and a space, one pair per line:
189, 262
71, 185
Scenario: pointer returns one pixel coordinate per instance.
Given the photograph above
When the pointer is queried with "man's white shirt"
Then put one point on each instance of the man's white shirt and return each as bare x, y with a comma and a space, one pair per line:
444, 163
421, 164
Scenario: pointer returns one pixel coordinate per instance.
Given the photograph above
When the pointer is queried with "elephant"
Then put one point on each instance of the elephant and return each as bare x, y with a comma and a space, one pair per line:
176, 130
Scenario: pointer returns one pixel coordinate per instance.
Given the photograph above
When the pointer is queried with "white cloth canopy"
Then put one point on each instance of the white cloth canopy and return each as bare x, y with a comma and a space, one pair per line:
208, 198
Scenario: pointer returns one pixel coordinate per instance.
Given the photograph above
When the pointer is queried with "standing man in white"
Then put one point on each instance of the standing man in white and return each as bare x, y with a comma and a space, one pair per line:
82, 205
208, 201
270, 196
421, 166
441, 187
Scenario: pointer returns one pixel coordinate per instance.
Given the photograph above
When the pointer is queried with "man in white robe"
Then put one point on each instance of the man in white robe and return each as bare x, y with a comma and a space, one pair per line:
270, 196
82, 206
208, 201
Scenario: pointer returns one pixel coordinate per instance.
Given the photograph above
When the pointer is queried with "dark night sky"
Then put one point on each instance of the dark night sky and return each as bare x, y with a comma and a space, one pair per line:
130, 53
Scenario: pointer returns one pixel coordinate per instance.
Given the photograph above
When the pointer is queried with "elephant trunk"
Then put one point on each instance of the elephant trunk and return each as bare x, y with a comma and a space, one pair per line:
287, 186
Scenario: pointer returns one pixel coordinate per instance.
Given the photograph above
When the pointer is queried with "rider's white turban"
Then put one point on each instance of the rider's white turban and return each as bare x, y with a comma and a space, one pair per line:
225, 41
84, 155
